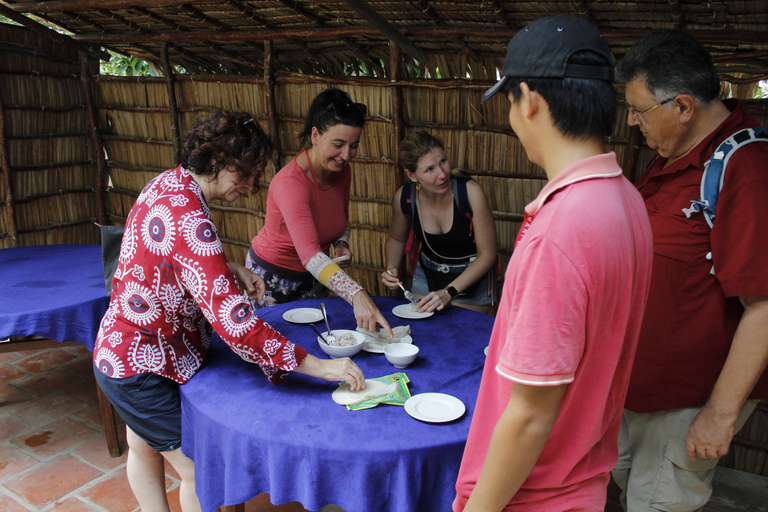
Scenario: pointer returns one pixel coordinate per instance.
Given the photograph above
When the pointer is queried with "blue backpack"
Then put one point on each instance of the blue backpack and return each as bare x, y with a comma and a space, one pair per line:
714, 173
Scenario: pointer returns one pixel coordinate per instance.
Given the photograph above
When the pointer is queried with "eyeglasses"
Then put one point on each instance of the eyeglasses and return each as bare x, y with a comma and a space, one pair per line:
637, 114
340, 108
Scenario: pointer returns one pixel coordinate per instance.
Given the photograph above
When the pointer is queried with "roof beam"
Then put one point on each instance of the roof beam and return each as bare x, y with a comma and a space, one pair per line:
677, 14
498, 10
181, 29
386, 28
582, 9
78, 5
430, 11
49, 33
320, 22
626, 36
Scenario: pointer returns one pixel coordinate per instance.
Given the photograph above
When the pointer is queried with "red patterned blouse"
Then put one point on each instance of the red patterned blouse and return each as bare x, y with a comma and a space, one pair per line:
172, 286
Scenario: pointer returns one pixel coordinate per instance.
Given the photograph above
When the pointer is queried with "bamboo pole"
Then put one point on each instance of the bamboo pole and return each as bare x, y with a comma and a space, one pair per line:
35, 197
269, 82
56, 226
52, 165
35, 136
58, 110
497, 34
5, 163
172, 106
397, 109
9, 12
97, 146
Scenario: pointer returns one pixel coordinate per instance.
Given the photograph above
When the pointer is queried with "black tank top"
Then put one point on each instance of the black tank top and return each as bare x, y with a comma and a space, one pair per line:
456, 243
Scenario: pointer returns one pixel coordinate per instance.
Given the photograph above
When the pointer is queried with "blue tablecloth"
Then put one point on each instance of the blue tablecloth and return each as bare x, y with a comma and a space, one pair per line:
292, 441
54, 291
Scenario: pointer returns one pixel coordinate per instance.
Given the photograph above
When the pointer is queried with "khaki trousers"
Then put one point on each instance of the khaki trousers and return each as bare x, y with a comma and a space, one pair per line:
654, 471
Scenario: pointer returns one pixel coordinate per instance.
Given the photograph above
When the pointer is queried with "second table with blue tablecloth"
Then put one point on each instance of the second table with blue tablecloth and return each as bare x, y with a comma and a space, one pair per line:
293, 441
53, 291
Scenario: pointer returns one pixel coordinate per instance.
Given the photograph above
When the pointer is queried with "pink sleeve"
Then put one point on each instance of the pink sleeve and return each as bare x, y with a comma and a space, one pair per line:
201, 266
547, 319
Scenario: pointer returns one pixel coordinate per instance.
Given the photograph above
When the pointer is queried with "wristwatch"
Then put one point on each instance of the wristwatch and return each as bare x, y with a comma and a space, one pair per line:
453, 292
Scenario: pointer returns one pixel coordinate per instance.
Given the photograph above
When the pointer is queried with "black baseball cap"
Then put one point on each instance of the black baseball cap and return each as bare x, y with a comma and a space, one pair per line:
542, 50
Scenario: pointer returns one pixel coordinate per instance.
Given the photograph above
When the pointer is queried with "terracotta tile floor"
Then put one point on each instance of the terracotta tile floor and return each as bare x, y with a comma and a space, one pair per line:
53, 454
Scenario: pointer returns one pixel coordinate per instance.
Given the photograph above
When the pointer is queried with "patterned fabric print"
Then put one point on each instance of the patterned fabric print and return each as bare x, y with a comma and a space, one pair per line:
173, 286
280, 288
338, 281
344, 286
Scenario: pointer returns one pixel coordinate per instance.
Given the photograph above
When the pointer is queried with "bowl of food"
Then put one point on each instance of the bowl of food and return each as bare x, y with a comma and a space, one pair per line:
348, 343
401, 354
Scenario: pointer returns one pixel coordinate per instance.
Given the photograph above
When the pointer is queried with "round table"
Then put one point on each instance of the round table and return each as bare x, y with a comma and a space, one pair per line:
248, 436
53, 291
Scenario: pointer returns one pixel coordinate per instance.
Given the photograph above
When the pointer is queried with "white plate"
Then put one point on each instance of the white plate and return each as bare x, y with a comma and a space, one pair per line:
404, 311
303, 315
485, 350
435, 407
376, 347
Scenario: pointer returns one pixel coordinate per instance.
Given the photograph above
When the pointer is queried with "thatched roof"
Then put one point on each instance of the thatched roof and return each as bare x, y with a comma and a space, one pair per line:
460, 38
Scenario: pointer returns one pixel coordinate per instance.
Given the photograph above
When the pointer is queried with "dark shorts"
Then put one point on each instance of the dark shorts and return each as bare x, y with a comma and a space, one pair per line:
149, 404
282, 285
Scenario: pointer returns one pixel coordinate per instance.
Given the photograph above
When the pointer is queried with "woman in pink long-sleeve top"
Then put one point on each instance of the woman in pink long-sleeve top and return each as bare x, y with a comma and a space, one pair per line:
308, 210
172, 286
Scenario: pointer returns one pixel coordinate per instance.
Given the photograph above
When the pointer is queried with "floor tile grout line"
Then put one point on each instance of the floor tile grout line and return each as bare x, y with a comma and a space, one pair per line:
18, 499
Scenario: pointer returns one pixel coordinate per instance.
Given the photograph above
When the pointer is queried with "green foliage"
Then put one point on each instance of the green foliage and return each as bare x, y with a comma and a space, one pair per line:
762, 90
122, 65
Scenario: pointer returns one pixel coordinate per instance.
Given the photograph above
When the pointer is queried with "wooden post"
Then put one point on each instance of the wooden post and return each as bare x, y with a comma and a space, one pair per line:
397, 109
98, 147
633, 150
5, 163
398, 129
269, 82
170, 78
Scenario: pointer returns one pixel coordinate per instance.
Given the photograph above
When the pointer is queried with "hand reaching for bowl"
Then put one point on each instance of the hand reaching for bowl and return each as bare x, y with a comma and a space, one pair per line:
343, 369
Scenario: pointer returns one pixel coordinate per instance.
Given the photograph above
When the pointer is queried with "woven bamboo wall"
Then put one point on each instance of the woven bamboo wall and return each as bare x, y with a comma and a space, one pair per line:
48, 147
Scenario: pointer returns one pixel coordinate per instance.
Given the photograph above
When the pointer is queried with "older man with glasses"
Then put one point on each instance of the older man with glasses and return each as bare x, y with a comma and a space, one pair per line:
703, 346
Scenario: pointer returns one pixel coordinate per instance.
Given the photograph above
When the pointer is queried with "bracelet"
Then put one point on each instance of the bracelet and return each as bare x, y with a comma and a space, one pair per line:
453, 292
337, 242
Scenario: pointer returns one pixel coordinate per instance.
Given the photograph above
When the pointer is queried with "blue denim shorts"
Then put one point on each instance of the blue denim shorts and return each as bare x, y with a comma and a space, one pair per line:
149, 404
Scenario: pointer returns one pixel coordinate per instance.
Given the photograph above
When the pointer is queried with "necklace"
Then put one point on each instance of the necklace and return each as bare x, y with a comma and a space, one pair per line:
434, 213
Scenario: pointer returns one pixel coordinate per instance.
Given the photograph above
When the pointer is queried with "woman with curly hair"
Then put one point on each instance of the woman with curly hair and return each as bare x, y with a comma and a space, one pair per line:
172, 287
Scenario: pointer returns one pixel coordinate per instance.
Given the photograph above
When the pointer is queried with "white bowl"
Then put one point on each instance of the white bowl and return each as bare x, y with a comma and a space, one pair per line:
401, 354
336, 351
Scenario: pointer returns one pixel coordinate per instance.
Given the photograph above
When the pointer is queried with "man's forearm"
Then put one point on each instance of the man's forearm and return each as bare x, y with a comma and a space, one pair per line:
517, 441
746, 360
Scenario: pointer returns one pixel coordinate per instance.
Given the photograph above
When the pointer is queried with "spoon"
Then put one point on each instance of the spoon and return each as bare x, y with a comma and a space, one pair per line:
330, 339
318, 333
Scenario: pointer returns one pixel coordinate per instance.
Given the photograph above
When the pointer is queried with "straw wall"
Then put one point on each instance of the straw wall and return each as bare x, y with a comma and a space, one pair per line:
49, 151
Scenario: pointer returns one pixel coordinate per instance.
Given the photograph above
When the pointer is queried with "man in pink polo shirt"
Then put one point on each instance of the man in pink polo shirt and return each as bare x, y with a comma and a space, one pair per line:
544, 430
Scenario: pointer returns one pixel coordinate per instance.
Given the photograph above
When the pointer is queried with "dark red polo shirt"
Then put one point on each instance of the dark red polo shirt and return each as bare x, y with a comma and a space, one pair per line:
692, 315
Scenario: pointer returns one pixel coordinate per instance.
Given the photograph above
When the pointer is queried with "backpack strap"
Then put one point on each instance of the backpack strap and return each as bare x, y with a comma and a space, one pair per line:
714, 174
461, 196
714, 171
407, 202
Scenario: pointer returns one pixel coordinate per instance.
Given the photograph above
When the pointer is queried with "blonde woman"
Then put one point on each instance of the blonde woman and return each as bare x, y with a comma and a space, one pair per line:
450, 217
